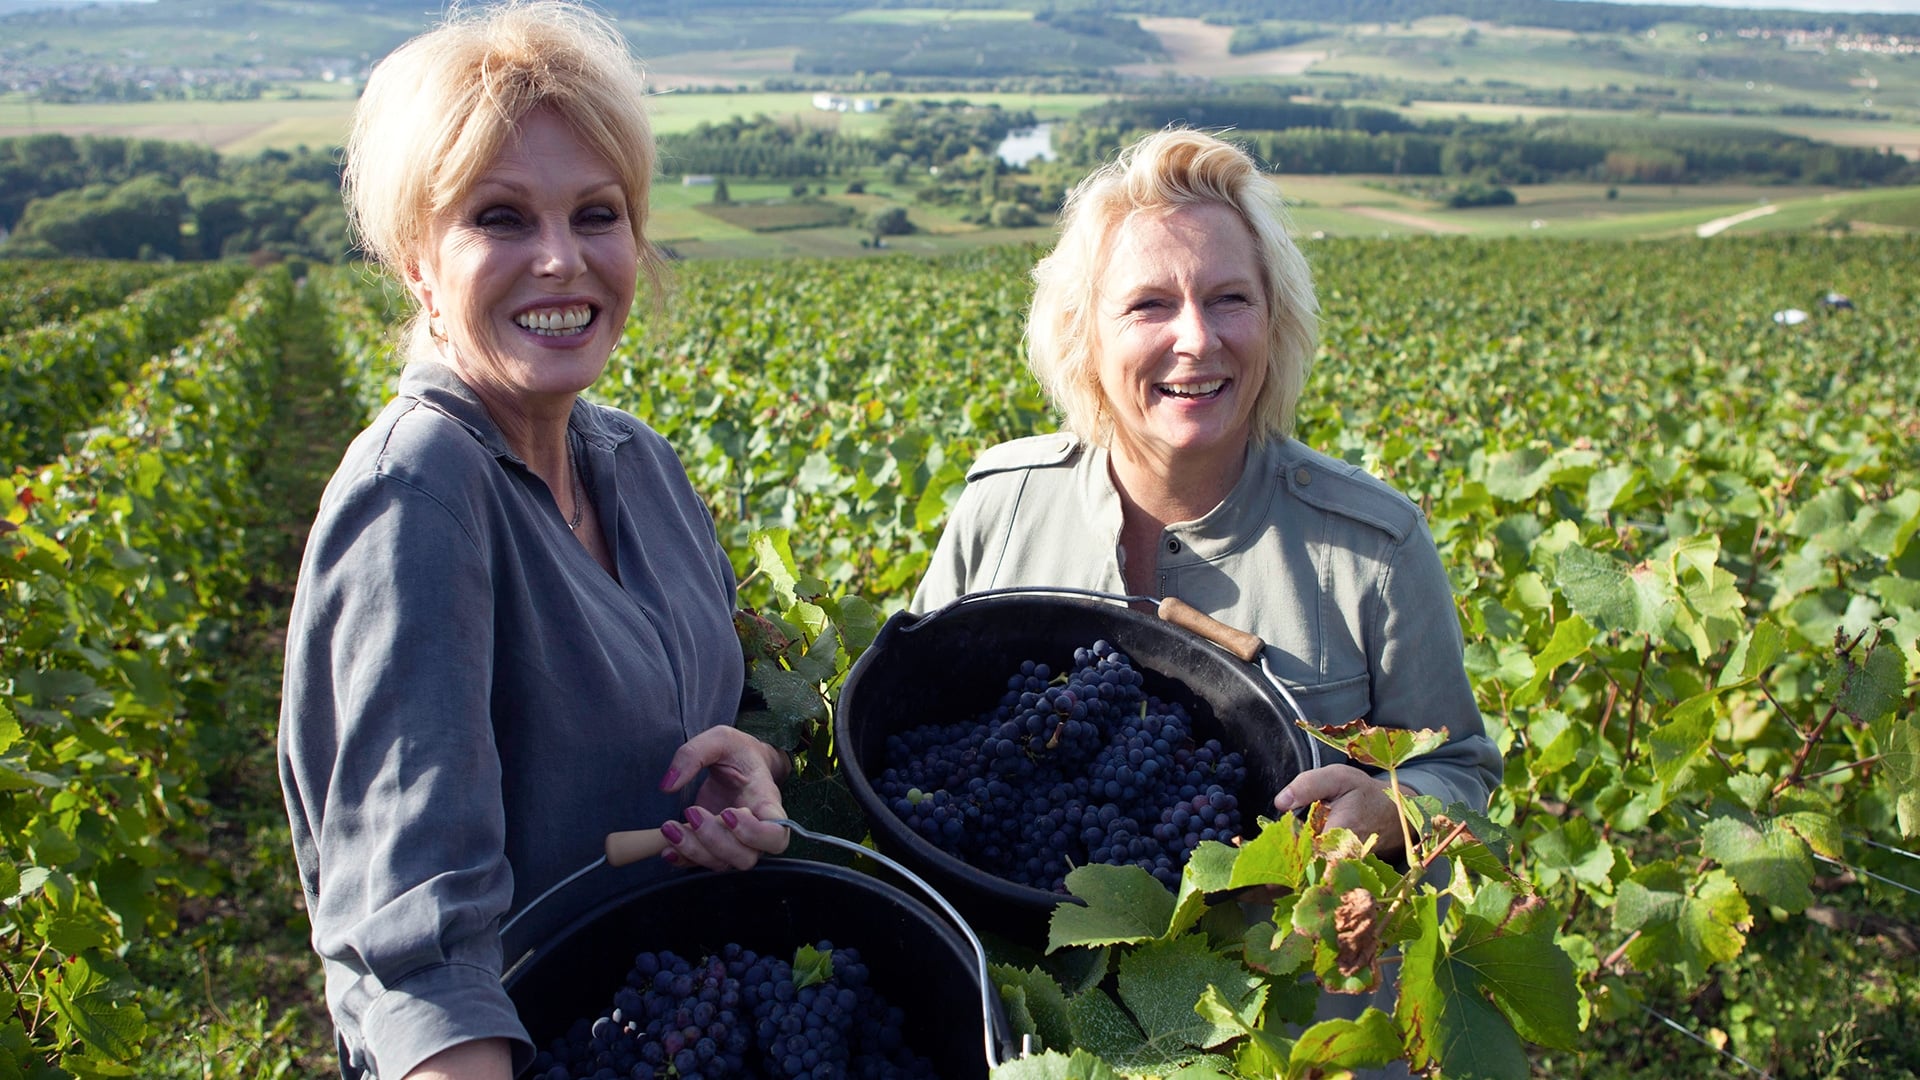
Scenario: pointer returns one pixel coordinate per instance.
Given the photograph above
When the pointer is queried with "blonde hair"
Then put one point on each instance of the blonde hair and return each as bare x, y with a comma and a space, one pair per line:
1160, 173
438, 111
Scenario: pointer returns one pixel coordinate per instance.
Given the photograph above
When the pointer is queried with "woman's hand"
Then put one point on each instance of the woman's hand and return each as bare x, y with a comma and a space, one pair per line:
726, 826
1354, 799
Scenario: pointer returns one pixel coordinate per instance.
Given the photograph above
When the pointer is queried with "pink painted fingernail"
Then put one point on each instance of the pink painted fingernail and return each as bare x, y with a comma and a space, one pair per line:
670, 855
694, 817
672, 833
667, 781
732, 819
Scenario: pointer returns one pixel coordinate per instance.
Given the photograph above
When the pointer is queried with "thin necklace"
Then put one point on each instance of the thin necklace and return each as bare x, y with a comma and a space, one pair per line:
579, 498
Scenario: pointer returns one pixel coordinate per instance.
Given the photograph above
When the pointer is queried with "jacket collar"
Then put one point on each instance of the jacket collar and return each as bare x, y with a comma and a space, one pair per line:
1246, 510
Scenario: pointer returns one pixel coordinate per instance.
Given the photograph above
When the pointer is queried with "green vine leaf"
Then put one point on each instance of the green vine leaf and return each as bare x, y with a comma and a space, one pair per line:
1279, 855
1036, 1005
1160, 982
96, 1011
1124, 905
1368, 1042
1686, 921
1381, 747
1054, 1065
1632, 600
1768, 861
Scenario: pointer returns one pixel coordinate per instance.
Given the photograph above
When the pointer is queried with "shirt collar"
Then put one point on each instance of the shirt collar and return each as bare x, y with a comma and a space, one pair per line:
440, 388
1245, 511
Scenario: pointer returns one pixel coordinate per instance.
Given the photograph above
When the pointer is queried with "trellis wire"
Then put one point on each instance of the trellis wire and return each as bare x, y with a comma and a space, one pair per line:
1689, 1033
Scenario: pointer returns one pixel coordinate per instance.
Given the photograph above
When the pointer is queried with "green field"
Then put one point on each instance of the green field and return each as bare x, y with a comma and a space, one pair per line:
1684, 542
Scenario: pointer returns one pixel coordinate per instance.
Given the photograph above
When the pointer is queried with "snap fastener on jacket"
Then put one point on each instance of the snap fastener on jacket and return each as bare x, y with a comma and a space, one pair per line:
1172, 544
1302, 477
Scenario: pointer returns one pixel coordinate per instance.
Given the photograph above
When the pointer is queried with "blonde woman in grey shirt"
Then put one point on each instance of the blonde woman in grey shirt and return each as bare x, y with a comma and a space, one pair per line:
1172, 326
513, 628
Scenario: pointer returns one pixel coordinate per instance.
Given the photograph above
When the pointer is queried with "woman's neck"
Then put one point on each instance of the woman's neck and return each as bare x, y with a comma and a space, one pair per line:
1157, 493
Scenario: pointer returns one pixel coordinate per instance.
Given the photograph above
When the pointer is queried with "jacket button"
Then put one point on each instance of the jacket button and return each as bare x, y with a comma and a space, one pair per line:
1302, 477
1173, 545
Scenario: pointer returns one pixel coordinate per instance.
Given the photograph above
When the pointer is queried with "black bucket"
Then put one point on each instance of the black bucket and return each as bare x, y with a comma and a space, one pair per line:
953, 664
916, 959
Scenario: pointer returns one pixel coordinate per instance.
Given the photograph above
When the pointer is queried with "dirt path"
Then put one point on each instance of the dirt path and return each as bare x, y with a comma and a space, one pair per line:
1720, 225
1414, 221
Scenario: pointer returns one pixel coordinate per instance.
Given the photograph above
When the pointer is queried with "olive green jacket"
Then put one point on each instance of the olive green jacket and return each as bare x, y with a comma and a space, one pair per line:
1332, 568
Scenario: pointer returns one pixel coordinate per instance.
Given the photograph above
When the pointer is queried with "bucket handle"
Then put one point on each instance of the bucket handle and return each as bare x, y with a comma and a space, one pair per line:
1241, 643
1172, 609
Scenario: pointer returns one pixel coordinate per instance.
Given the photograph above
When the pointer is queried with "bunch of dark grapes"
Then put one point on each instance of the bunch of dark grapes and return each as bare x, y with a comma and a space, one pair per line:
1082, 767
737, 1014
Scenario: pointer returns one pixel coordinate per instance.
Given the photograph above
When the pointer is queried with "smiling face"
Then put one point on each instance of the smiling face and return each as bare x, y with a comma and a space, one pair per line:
532, 270
1181, 337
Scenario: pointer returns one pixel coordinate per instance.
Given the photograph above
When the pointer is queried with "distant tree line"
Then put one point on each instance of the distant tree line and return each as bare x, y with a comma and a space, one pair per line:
1334, 139
116, 198
764, 148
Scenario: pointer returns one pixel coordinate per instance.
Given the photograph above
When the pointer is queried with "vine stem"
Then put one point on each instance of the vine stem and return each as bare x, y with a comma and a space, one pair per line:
1399, 811
19, 999
1861, 764
1806, 750
1633, 707
1615, 956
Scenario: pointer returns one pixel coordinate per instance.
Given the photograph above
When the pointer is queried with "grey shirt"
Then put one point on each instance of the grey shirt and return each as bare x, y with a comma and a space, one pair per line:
471, 703
1332, 568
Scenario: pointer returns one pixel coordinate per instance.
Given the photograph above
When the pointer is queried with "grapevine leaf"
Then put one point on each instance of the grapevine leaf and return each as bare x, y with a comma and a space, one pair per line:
1382, 747
1554, 742
811, 966
1507, 664
1518, 475
1768, 861
1102, 1028
1054, 1065
1682, 740
9, 879
1575, 849
10, 732
1610, 487
1367, 1042
1036, 1004
1261, 1054
1273, 951
1446, 1019
1124, 904
1754, 654
96, 1011
821, 660
1686, 921
792, 699
1514, 959
75, 932
858, 623
85, 1068
1632, 600
1872, 690
1209, 869
1280, 855
1572, 636
14, 778
1160, 982
1899, 740
1885, 528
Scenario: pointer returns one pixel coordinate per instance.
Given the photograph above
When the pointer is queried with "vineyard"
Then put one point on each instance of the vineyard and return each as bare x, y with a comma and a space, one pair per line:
1682, 536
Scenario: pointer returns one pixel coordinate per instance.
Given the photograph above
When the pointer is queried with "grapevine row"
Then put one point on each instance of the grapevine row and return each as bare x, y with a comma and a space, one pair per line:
123, 563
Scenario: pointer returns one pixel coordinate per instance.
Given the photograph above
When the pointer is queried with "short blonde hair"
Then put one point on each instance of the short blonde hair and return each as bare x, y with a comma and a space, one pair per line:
1159, 173
438, 111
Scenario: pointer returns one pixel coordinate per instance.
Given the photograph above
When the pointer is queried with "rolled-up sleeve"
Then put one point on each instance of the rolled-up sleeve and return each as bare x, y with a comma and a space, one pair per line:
392, 777
1419, 677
